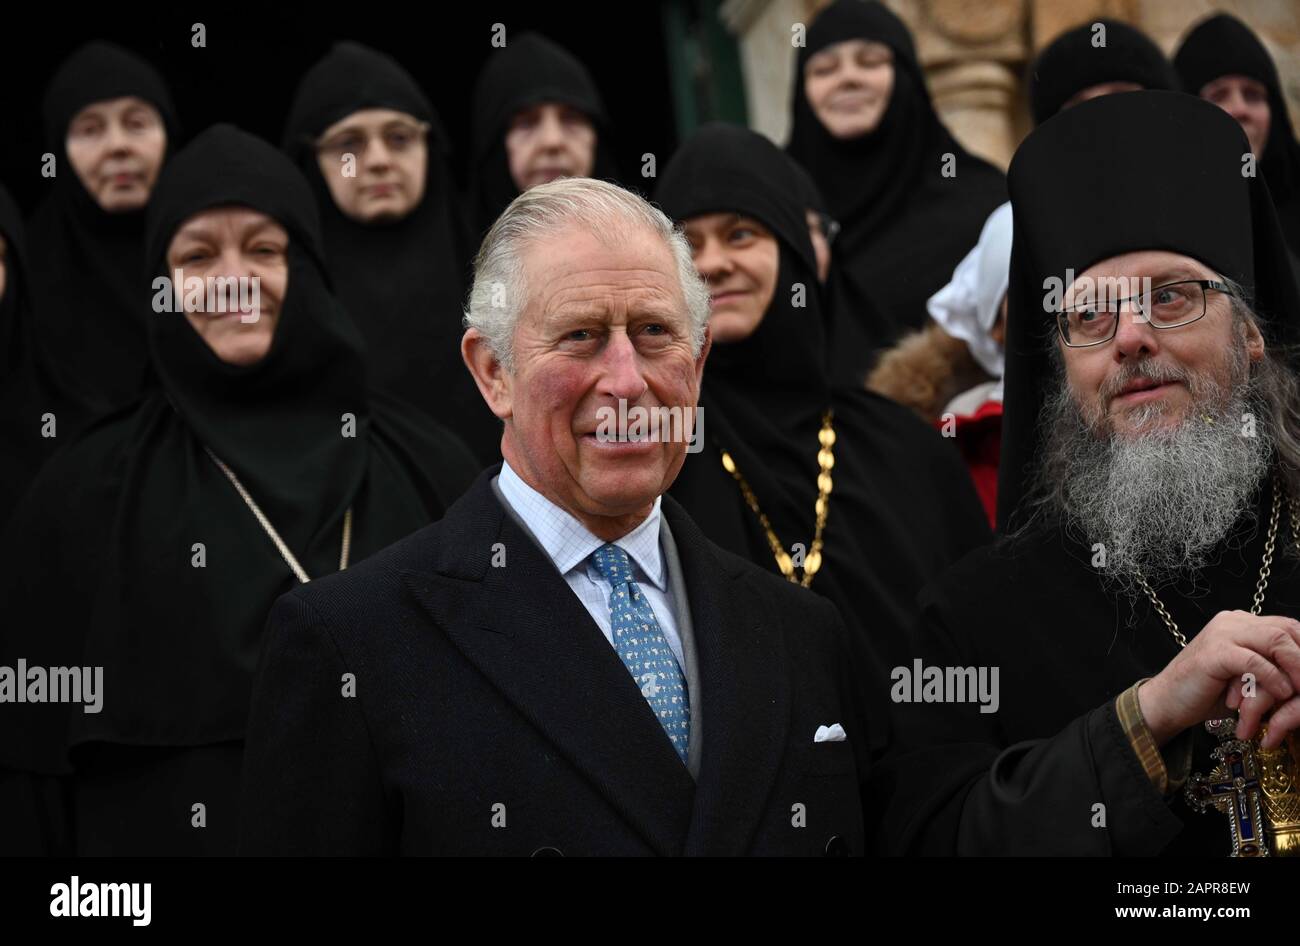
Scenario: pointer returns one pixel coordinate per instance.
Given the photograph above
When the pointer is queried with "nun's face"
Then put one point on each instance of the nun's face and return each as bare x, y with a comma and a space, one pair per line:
849, 84
1146, 378
1245, 100
230, 270
605, 322
738, 257
373, 162
116, 149
549, 141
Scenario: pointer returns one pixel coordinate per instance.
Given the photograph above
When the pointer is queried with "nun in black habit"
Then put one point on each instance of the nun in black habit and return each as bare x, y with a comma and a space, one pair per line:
154, 547
785, 452
35, 413
533, 71
1064, 761
399, 270
85, 260
1224, 46
909, 199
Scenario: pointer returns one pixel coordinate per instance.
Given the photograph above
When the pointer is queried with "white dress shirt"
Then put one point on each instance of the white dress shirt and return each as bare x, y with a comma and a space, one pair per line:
569, 545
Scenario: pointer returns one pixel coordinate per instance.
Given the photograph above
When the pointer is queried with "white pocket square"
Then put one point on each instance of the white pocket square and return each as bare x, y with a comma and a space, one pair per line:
832, 733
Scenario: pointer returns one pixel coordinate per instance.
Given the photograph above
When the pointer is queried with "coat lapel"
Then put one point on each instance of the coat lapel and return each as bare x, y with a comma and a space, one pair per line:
527, 633
745, 692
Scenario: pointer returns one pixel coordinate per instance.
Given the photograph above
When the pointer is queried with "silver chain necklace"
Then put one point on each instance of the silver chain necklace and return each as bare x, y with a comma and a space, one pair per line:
1265, 569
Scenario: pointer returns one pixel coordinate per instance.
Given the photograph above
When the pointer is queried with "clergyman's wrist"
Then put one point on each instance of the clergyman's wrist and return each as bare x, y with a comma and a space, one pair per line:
1149, 705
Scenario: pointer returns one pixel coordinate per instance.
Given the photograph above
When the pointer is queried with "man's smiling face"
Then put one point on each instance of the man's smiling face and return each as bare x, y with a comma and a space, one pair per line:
605, 321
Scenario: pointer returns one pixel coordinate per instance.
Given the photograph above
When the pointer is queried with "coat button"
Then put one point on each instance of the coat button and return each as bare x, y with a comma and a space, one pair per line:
836, 847
548, 852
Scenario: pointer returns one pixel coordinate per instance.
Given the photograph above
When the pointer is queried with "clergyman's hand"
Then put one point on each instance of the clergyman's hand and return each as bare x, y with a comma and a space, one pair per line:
1209, 678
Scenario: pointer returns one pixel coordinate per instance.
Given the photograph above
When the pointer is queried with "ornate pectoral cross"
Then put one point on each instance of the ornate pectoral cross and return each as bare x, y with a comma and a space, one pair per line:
1233, 788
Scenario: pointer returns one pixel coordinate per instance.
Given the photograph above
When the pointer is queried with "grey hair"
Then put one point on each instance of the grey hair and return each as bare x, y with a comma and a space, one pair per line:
1279, 393
606, 210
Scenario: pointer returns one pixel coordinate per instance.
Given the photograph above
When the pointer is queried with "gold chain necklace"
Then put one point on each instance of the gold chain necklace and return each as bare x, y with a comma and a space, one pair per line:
1264, 570
288, 556
826, 462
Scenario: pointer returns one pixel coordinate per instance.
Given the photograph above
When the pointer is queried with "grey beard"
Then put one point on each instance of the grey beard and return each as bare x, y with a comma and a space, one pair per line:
1160, 503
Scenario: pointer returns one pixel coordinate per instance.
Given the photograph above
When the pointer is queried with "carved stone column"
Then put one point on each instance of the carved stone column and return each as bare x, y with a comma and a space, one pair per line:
973, 52
763, 31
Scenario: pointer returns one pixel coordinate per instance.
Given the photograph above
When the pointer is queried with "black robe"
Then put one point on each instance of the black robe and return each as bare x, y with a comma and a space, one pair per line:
904, 224
86, 265
902, 507
1073, 62
530, 70
134, 553
37, 411
1024, 780
404, 281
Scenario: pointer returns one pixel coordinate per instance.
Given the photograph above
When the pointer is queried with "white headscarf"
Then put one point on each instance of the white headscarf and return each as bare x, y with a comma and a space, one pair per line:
968, 306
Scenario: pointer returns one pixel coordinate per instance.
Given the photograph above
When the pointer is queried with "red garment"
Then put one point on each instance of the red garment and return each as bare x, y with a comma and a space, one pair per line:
979, 438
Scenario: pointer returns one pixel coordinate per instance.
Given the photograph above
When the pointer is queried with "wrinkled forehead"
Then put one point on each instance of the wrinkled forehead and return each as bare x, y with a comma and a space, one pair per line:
232, 221
851, 49
619, 269
552, 107
715, 224
1233, 81
108, 109
1159, 266
372, 120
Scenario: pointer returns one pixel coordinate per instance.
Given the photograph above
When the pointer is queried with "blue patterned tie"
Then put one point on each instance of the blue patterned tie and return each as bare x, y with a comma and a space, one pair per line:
641, 644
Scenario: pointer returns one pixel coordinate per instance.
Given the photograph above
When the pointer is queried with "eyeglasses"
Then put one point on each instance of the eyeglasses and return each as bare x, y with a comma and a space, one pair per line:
1172, 305
397, 139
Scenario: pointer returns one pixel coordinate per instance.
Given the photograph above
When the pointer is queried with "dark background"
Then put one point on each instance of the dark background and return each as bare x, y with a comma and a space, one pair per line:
254, 58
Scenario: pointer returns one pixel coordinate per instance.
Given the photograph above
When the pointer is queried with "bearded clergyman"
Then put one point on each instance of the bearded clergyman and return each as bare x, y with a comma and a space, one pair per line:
1141, 602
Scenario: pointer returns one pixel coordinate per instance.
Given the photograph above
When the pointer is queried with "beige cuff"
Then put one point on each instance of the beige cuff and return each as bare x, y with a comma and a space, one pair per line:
1129, 711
